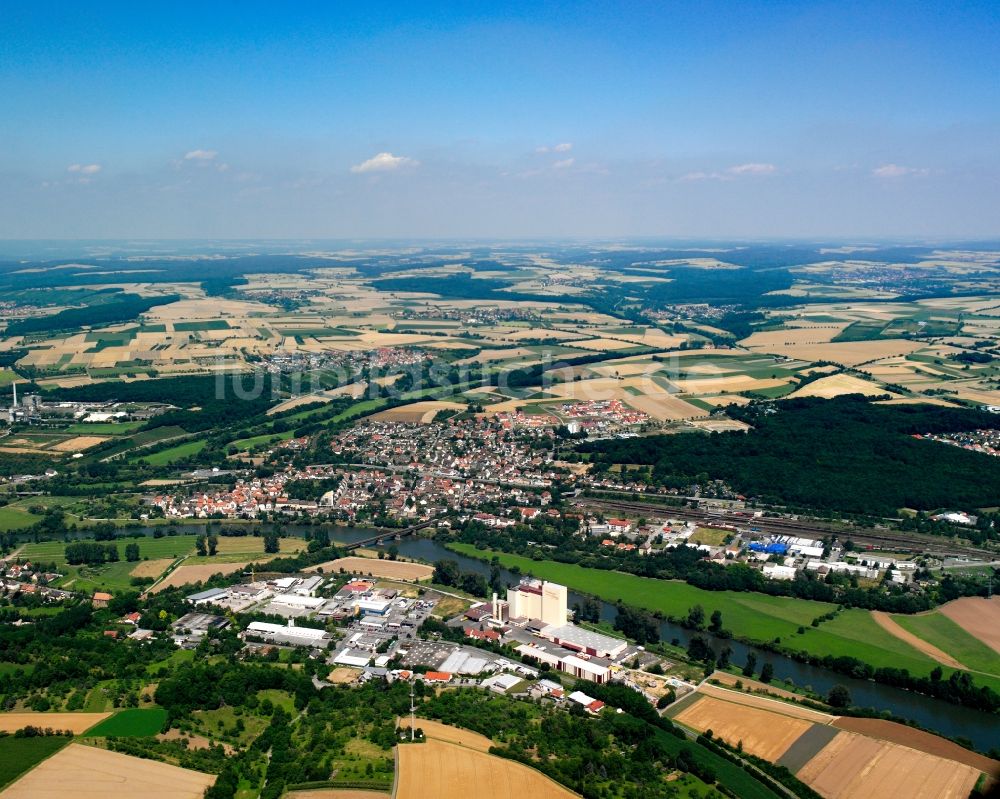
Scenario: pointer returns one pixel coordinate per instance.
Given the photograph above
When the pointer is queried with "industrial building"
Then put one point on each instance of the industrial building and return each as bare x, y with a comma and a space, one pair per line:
578, 639
208, 596
535, 599
289, 635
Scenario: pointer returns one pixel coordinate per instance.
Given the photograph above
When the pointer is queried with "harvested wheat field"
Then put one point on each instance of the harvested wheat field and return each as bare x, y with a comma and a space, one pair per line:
439, 770
887, 623
389, 569
716, 385
151, 568
763, 703
919, 740
84, 772
453, 735
603, 344
422, 412
837, 385
79, 443
185, 575
74, 722
761, 732
977, 616
845, 353
664, 407
854, 766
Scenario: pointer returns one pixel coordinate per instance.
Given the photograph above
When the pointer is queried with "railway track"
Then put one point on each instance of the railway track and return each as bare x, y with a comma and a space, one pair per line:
887, 539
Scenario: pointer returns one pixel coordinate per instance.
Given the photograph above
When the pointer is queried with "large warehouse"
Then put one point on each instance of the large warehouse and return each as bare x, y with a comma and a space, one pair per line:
569, 636
290, 635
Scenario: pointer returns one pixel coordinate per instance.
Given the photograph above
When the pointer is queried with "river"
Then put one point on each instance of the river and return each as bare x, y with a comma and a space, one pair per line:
983, 729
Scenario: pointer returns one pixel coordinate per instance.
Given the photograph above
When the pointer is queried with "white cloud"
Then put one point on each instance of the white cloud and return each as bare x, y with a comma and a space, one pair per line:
84, 169
562, 147
566, 163
693, 176
200, 155
731, 173
897, 171
752, 169
383, 162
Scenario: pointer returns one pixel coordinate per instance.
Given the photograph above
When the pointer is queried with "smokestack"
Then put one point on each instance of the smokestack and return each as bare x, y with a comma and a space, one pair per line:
496, 606
13, 404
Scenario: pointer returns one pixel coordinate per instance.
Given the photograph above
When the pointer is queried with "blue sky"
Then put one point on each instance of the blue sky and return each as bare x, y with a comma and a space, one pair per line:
755, 119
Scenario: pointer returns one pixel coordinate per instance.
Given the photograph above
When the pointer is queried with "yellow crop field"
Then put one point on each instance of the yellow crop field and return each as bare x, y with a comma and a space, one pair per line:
85, 772
854, 766
837, 385
762, 733
389, 569
440, 770
74, 722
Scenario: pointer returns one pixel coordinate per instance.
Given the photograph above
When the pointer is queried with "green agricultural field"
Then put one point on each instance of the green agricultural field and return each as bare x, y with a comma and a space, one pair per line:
937, 629
132, 723
855, 633
266, 438
104, 428
207, 324
181, 451
15, 519
757, 616
8, 376
111, 577
19, 755
170, 546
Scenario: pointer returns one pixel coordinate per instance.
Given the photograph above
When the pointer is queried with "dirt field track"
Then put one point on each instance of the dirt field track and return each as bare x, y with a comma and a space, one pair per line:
388, 569
84, 772
854, 766
920, 740
885, 621
762, 733
75, 722
439, 770
977, 616
183, 575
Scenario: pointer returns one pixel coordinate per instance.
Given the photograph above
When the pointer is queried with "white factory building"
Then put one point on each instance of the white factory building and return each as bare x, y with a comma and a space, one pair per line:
579, 639
535, 599
290, 634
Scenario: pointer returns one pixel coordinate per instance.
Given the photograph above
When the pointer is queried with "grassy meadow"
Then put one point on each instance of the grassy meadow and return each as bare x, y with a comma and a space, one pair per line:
756, 617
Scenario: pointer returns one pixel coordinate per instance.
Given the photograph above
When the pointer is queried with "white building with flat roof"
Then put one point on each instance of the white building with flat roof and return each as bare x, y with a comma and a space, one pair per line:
299, 601
535, 599
578, 639
290, 634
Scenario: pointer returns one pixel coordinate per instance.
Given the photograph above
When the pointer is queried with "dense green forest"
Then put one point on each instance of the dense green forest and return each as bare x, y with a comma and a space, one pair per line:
846, 454
124, 308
